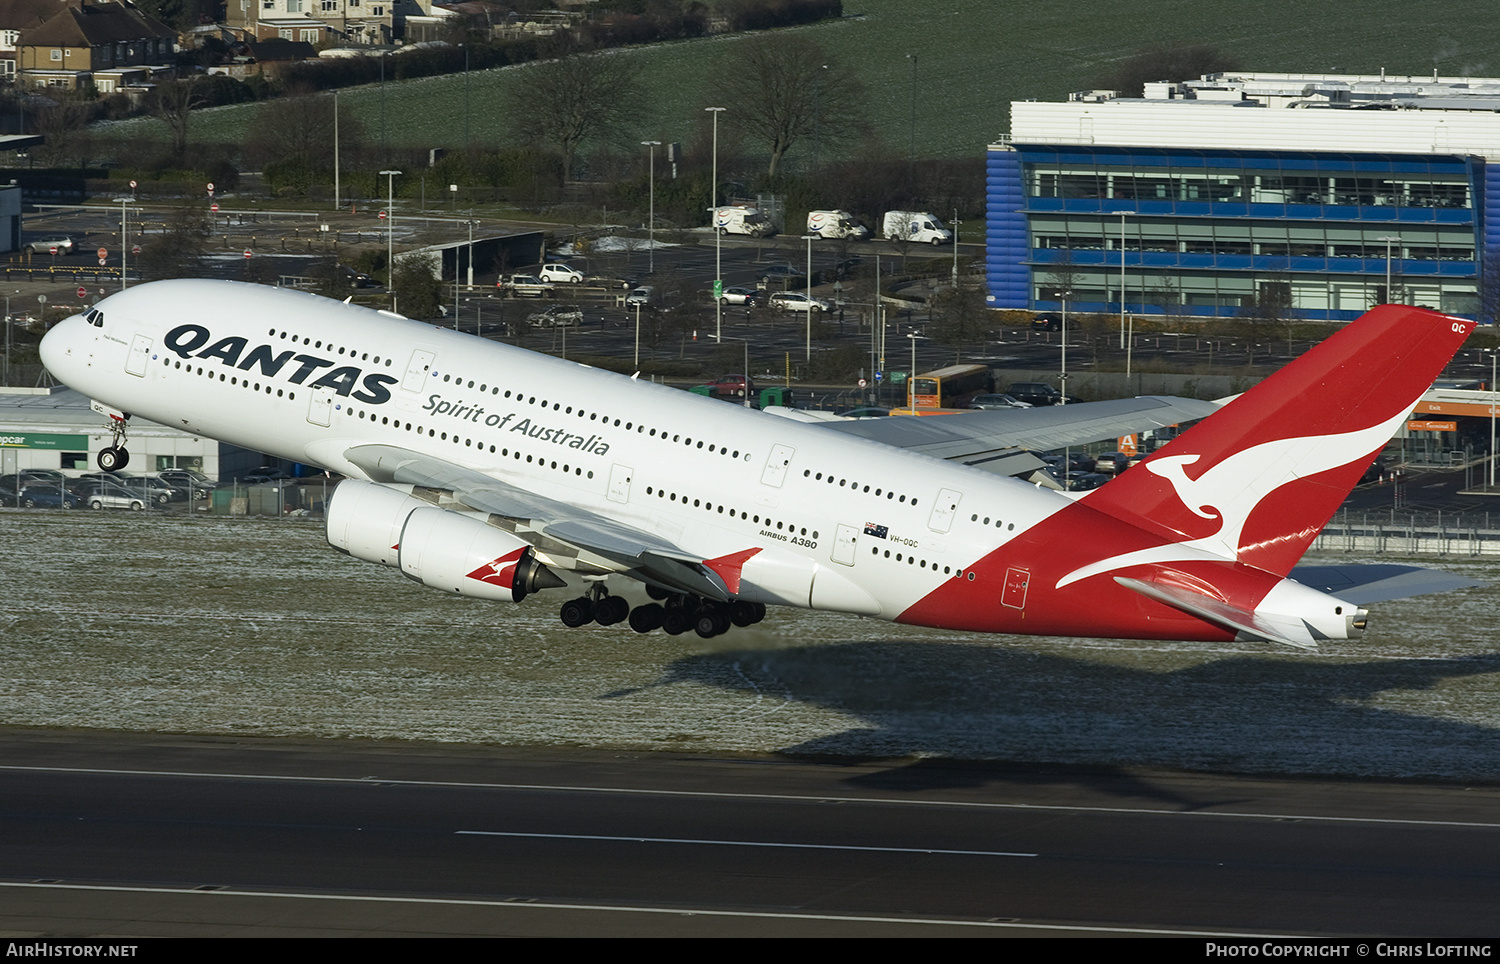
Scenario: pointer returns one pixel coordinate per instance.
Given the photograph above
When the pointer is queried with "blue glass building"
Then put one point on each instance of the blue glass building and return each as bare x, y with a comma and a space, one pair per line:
1214, 206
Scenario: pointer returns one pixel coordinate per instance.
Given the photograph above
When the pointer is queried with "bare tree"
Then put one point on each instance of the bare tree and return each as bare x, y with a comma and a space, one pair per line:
569, 102
960, 319
178, 250
64, 128
785, 89
173, 103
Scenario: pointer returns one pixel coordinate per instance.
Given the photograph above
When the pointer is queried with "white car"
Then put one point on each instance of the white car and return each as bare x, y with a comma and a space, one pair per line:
564, 273
794, 301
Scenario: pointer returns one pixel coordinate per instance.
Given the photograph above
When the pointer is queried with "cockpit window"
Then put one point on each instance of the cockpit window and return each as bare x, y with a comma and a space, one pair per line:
94, 317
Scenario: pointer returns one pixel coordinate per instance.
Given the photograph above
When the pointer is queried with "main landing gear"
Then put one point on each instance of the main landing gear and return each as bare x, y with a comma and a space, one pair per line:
114, 457
674, 614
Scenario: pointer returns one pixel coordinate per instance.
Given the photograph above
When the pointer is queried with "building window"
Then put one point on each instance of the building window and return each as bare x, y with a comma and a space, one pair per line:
9, 38
310, 36
57, 55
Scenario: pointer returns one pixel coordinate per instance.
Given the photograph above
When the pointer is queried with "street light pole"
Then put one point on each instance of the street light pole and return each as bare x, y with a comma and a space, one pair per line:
390, 235
1122, 279
124, 244
1064, 377
807, 293
651, 221
713, 222
912, 154
1389, 239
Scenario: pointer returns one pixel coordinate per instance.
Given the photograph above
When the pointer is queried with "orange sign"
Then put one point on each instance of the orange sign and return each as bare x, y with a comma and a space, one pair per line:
1128, 445
1421, 425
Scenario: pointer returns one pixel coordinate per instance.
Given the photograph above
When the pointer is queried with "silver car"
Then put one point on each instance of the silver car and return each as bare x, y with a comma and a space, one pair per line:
110, 495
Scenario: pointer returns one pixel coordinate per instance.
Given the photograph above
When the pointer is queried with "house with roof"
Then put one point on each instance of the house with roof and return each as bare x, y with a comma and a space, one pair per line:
107, 45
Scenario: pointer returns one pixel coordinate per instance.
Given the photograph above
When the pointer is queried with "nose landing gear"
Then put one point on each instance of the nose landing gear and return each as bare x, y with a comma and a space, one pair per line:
114, 457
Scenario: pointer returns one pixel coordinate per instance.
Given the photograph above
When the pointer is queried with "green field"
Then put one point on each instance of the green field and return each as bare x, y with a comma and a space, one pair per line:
973, 58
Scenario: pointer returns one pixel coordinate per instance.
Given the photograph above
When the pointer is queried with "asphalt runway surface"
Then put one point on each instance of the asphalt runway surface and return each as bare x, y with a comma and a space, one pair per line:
128, 836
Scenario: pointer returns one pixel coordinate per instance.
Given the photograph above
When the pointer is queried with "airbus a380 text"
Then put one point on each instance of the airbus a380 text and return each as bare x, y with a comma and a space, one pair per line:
486, 470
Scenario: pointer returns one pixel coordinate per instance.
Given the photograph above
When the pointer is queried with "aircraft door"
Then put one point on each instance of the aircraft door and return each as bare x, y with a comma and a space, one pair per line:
1013, 593
619, 483
845, 541
417, 369
140, 354
776, 465
320, 408
943, 510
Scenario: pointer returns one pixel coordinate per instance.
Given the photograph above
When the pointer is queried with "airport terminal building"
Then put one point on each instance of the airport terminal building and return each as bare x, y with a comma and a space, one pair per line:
1315, 195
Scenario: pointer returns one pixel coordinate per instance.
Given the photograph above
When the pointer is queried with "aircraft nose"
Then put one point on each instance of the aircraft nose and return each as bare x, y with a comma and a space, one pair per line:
57, 347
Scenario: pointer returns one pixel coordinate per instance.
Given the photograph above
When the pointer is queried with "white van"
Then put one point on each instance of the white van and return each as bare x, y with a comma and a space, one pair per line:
836, 224
918, 226
734, 219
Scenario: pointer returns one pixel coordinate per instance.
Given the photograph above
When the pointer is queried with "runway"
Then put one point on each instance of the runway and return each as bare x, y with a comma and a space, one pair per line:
128, 835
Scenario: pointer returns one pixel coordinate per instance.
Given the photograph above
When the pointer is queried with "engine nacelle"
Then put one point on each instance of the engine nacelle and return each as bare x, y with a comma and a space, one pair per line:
458, 553
365, 519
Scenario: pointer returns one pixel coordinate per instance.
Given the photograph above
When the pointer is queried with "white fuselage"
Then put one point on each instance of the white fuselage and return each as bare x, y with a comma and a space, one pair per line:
304, 378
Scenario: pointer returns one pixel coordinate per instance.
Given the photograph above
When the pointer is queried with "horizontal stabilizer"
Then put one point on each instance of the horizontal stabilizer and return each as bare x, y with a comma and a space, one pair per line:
1287, 632
1377, 582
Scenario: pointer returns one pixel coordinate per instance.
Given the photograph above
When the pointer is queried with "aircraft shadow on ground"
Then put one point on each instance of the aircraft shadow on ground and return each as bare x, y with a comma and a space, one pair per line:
1237, 714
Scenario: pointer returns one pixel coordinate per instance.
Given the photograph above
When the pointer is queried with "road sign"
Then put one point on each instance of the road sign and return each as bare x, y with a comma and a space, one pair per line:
132, 185
382, 215
135, 249
862, 383
101, 262
83, 292
718, 289
103, 252
248, 252
214, 206
52, 250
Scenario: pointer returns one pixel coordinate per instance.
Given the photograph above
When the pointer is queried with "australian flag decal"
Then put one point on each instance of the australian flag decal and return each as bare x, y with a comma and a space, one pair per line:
871, 529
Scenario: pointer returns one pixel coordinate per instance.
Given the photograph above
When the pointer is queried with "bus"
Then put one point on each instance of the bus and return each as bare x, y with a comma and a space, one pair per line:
950, 387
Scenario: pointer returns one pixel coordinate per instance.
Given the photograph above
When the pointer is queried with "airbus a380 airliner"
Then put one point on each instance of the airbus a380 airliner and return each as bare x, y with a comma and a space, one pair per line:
485, 470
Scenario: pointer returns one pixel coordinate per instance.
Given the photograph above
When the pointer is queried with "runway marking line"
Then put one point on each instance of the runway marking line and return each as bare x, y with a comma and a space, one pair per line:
784, 797
742, 843
627, 909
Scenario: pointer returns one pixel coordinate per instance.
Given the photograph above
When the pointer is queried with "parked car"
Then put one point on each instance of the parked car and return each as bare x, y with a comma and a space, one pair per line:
780, 272
997, 401
194, 482
42, 497
740, 295
1077, 461
795, 301
266, 473
646, 296
564, 273
100, 494
731, 387
154, 490
557, 316
61, 242
1038, 393
1047, 321
522, 286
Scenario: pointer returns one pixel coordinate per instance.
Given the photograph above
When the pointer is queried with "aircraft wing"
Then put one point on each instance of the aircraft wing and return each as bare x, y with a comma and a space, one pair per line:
992, 440
1362, 583
570, 537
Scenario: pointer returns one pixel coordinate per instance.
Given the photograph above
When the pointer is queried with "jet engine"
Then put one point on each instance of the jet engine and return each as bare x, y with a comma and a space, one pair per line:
365, 519
458, 553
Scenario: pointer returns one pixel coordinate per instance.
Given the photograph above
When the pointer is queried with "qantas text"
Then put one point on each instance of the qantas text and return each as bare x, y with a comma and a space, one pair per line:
186, 340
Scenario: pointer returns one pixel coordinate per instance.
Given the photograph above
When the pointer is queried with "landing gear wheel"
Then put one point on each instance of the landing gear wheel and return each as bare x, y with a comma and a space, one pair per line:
577, 612
675, 622
112, 459
611, 610
744, 613
643, 619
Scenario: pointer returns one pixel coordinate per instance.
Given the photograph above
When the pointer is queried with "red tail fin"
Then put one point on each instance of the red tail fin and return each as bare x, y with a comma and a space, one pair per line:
1257, 480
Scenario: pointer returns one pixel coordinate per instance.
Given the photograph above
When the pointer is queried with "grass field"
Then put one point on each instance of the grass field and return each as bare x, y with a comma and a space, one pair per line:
973, 58
132, 622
